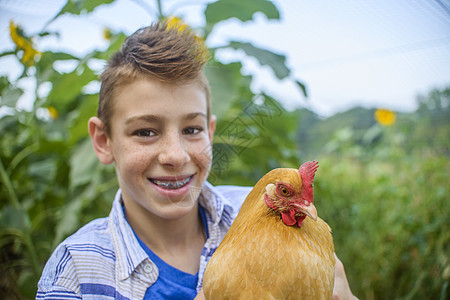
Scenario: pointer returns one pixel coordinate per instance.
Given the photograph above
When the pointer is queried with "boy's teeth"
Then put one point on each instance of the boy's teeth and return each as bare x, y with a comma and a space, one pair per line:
171, 184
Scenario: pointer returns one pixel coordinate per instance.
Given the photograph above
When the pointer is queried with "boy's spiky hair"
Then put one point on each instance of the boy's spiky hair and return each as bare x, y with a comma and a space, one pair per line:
167, 51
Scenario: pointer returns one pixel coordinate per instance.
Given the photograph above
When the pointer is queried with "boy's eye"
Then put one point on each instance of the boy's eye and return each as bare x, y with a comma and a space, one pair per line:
144, 133
192, 130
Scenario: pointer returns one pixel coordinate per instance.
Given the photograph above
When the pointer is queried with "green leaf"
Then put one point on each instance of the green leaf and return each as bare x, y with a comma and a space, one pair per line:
83, 164
8, 126
10, 95
275, 61
4, 83
87, 109
241, 9
13, 218
117, 40
78, 7
43, 170
302, 87
49, 57
44, 67
224, 82
69, 220
67, 87
23, 282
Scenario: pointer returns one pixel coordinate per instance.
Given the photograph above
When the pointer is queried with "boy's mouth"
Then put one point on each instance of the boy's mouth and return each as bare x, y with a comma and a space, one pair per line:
171, 184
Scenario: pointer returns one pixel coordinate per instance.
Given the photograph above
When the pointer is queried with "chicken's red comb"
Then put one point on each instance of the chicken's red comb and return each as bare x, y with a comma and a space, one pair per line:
307, 172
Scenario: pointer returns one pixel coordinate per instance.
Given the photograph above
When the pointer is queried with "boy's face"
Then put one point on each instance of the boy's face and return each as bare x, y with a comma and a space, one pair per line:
161, 145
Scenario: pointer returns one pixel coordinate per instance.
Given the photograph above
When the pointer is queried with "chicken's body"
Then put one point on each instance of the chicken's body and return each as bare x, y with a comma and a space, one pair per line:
261, 257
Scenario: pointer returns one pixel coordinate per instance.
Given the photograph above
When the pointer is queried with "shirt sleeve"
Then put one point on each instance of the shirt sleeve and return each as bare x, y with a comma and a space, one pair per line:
57, 293
235, 195
59, 280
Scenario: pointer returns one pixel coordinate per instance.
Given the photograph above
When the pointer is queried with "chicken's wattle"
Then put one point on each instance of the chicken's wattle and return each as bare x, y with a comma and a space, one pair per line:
290, 219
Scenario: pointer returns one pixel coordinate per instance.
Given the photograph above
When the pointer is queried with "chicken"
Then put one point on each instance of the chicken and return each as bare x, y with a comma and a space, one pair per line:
277, 247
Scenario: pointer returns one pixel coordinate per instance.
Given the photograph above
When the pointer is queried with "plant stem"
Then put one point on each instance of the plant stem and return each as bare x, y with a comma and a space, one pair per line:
9, 188
145, 6
21, 156
160, 11
29, 244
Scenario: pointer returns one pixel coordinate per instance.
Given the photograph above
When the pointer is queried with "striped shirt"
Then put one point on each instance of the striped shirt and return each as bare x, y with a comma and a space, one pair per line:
104, 260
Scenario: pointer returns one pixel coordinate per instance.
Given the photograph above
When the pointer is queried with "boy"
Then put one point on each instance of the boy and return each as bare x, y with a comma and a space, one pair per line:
155, 124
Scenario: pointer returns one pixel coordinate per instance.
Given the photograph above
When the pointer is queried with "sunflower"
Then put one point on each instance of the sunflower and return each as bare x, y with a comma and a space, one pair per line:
385, 117
23, 44
176, 23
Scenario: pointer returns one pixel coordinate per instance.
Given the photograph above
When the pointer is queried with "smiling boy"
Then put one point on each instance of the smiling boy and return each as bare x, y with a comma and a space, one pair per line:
155, 125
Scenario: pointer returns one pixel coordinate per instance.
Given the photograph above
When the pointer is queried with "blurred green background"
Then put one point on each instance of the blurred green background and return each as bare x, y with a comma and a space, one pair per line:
382, 184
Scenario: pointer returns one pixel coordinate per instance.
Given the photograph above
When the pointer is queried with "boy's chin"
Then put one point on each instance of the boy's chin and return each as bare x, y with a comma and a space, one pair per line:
176, 210
182, 198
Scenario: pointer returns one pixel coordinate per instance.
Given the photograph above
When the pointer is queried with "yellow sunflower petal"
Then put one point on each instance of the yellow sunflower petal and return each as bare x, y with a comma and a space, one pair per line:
176, 23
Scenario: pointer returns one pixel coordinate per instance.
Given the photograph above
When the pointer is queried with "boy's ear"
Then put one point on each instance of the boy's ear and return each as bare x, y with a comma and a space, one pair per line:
212, 127
100, 140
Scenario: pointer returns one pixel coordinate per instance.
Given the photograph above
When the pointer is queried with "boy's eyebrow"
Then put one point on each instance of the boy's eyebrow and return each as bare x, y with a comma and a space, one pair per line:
194, 115
155, 118
146, 118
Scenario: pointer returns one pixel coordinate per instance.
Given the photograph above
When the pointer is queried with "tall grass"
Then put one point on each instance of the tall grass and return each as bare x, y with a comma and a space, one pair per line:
390, 221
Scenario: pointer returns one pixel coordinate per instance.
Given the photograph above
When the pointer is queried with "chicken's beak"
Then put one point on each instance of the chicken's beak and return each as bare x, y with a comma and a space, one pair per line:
309, 210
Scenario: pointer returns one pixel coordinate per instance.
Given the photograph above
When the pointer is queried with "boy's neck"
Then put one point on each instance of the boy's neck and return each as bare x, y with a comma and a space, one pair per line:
163, 233
170, 238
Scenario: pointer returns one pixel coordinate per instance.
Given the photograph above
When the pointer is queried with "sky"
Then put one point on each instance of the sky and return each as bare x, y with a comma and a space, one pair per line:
375, 54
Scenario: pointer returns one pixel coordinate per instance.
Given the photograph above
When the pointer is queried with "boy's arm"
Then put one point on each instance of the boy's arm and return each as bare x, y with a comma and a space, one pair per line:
341, 290
58, 280
200, 296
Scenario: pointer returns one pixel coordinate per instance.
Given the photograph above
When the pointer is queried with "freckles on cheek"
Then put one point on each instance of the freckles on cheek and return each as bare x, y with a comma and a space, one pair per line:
133, 158
138, 162
204, 156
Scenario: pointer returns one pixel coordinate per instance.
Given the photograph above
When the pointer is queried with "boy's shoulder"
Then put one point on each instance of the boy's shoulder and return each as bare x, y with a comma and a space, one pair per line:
91, 246
231, 191
234, 195
94, 234
96, 231
91, 239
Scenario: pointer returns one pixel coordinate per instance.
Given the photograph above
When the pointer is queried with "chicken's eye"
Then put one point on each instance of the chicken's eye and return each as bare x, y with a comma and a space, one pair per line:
284, 191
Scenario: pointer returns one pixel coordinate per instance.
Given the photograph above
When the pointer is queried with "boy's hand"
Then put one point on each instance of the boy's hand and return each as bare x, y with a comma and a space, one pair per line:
200, 296
341, 290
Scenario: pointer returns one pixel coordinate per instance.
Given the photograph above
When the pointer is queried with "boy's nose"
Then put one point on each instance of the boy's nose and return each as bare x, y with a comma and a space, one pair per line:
174, 153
